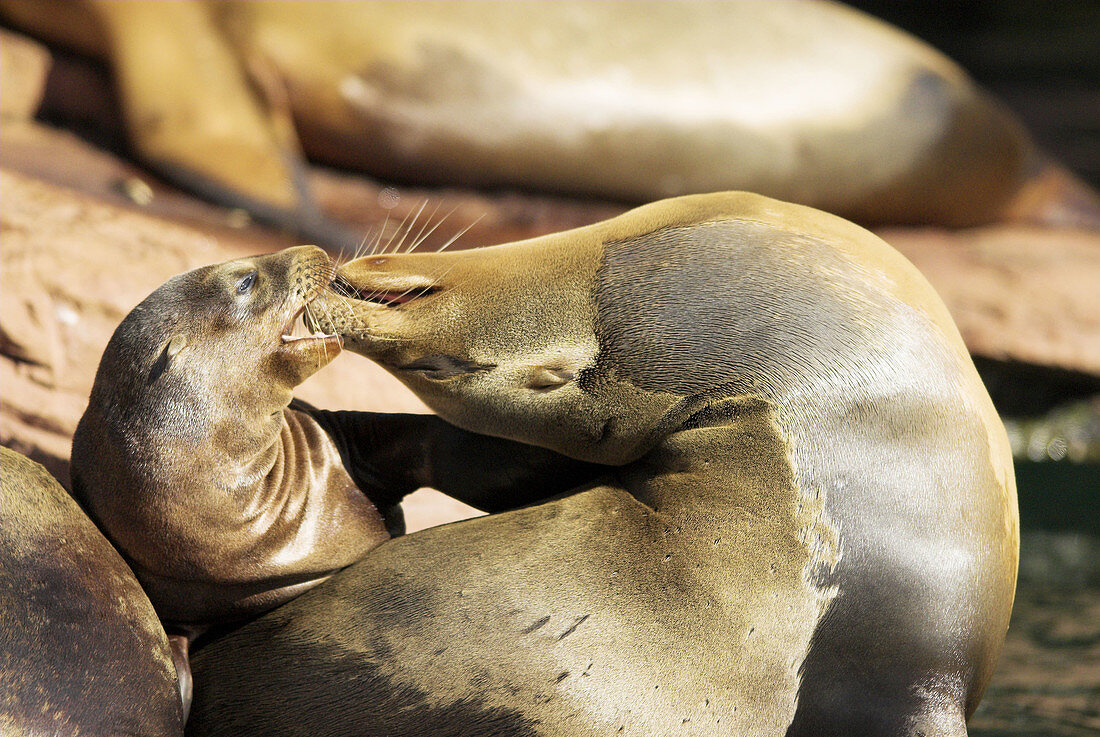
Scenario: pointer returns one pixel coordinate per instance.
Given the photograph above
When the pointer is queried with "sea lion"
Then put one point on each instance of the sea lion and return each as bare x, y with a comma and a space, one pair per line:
224, 501
81, 650
810, 102
810, 528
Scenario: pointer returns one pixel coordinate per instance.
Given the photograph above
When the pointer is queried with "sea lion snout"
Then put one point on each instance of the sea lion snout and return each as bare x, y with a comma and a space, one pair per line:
384, 281
368, 305
286, 286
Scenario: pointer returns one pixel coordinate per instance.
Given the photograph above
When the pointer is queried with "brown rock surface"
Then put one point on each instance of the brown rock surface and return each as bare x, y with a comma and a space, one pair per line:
1019, 293
60, 157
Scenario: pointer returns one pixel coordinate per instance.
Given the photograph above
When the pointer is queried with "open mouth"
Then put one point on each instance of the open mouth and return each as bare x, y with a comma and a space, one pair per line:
389, 298
299, 333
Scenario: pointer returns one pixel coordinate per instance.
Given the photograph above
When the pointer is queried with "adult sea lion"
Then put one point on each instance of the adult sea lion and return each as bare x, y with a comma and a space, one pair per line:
810, 102
810, 529
81, 650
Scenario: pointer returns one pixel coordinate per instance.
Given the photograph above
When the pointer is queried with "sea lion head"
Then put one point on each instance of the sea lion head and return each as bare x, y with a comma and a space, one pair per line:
600, 341
501, 341
218, 334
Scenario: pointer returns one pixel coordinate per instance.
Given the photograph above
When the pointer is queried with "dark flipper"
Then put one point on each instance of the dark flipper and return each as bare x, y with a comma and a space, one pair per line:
391, 455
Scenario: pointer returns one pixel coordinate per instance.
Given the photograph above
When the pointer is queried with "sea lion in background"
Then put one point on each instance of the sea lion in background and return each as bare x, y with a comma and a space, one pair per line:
811, 526
810, 102
226, 497
81, 650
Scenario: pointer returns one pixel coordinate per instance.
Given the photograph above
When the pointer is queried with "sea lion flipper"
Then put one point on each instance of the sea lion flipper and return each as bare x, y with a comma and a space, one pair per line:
223, 128
494, 474
391, 455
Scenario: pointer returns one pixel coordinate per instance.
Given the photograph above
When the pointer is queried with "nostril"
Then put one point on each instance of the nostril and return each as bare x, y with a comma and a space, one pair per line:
341, 286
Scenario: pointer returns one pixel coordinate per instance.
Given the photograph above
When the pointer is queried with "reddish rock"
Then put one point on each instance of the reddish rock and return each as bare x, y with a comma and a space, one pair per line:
1019, 293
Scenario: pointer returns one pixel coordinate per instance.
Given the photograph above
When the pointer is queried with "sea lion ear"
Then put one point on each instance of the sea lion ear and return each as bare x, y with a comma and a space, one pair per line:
171, 350
175, 345
545, 378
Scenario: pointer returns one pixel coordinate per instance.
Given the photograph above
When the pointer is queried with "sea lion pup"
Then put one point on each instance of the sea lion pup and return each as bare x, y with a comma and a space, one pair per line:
811, 529
81, 650
227, 499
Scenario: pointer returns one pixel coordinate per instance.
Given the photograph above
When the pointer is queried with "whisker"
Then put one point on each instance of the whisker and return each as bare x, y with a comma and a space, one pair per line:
427, 222
381, 230
309, 319
460, 233
397, 248
426, 235
342, 257
400, 227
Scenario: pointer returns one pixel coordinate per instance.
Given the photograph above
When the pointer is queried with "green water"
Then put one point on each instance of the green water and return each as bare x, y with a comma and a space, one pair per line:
1047, 683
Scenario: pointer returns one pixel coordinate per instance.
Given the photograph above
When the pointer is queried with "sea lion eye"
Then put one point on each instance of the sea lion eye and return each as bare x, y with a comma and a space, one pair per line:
246, 283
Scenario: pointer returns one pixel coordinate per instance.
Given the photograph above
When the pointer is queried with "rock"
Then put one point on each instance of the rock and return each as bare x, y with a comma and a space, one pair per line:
1045, 682
477, 218
1017, 293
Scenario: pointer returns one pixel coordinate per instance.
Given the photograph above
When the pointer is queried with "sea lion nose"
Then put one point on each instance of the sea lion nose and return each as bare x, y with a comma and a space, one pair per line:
386, 280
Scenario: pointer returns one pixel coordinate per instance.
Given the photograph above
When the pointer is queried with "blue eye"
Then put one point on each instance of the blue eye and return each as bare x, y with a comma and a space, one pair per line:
246, 283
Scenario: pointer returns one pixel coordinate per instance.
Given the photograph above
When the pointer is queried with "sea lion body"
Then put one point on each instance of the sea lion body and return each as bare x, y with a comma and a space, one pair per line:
815, 103
810, 102
810, 527
227, 496
81, 650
